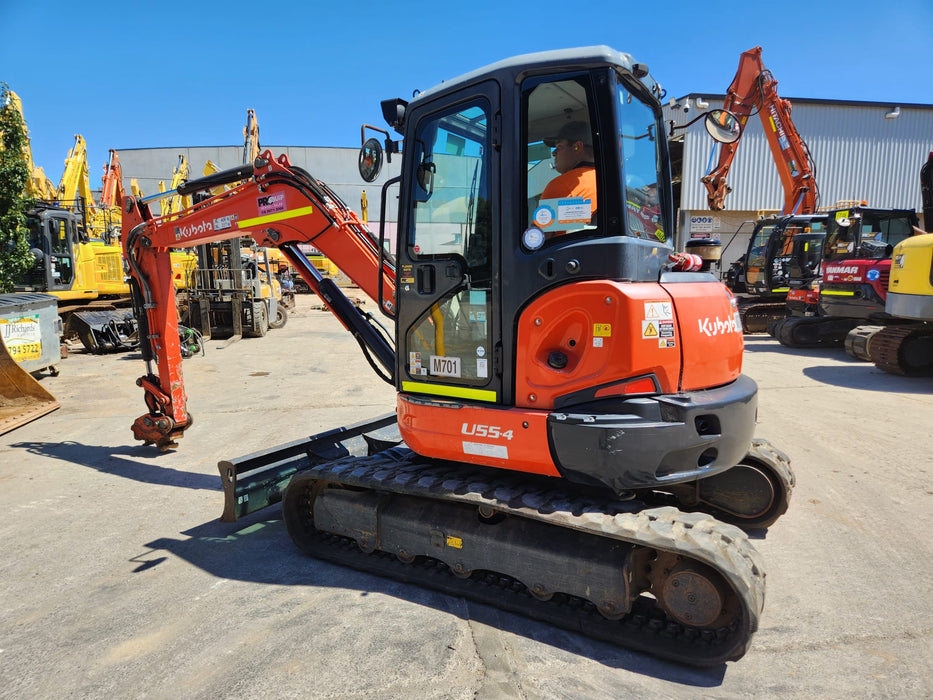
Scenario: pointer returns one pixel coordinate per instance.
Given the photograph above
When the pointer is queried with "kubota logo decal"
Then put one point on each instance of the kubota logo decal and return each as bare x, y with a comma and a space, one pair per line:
193, 230
716, 326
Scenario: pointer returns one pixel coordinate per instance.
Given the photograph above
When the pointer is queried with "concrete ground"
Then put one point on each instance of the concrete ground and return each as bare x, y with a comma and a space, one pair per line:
118, 580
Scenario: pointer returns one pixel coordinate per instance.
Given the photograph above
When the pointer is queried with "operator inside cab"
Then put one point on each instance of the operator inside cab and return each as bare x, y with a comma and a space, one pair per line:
572, 150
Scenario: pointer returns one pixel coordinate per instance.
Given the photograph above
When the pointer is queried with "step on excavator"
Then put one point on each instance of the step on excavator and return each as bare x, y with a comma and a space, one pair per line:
569, 398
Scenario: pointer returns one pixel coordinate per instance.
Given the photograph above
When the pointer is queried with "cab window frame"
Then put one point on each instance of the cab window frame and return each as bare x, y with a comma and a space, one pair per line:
588, 81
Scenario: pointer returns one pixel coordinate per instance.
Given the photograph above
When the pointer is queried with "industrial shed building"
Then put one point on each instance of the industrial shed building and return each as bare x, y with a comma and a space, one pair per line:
865, 151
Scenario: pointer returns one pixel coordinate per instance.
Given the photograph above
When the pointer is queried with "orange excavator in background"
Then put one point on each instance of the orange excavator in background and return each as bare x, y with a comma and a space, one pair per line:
760, 277
754, 91
112, 192
556, 394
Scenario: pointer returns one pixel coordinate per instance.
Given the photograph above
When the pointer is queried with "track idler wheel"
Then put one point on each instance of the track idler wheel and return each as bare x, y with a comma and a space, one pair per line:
692, 594
753, 494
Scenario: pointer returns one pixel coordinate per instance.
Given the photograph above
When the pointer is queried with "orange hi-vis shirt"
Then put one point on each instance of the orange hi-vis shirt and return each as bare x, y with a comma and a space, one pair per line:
578, 182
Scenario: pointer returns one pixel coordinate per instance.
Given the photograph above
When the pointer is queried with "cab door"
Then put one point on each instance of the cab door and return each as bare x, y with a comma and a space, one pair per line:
60, 240
449, 330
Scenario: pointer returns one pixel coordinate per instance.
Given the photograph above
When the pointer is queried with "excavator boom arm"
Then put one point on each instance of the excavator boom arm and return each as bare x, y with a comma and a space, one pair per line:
112, 193
278, 206
754, 91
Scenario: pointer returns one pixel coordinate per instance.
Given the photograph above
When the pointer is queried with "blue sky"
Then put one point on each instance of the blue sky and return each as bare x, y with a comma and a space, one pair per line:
141, 75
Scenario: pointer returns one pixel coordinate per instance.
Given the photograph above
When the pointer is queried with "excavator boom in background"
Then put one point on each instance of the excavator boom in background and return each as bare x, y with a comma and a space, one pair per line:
759, 277
754, 91
561, 381
39, 186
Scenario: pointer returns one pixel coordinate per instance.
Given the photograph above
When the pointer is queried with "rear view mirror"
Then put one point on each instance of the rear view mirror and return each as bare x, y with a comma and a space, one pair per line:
723, 126
370, 160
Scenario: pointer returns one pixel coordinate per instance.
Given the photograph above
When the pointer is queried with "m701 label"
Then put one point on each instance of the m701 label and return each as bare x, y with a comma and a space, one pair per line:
445, 366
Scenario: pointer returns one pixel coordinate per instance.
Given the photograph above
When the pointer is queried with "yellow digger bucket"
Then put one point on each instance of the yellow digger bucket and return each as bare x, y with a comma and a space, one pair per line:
22, 398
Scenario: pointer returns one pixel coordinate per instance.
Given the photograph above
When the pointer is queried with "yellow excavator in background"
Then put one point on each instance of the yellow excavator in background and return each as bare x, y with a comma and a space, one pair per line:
176, 202
39, 186
22, 398
905, 345
75, 244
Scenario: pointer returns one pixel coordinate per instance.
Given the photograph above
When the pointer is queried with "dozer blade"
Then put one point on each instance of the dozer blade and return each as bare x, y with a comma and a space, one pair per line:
258, 480
22, 398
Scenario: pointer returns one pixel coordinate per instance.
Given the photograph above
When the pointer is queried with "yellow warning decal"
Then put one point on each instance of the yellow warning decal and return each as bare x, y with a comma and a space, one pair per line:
455, 542
602, 330
278, 216
649, 329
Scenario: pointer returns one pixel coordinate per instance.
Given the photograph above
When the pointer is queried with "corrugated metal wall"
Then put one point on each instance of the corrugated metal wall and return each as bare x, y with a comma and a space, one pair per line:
858, 155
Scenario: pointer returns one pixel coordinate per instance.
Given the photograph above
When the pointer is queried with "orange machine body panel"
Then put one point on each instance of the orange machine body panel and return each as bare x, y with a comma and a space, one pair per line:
619, 340
617, 335
507, 438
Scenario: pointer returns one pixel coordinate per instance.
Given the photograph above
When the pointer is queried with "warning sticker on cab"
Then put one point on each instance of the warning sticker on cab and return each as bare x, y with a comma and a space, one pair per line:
659, 310
602, 330
662, 330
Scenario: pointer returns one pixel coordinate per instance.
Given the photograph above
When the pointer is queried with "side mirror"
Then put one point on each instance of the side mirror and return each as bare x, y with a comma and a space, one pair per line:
371, 155
723, 126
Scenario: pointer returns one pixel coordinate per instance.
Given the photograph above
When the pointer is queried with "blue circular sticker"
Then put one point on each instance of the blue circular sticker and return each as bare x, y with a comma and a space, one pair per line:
873, 275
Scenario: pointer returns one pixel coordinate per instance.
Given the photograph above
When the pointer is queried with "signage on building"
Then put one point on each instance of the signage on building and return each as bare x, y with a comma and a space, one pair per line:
703, 225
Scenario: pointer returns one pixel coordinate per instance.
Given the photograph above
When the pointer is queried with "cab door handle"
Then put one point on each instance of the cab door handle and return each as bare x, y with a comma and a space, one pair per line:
425, 279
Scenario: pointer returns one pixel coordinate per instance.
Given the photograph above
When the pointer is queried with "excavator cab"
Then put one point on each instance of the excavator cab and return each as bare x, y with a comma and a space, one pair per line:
53, 240
534, 228
478, 241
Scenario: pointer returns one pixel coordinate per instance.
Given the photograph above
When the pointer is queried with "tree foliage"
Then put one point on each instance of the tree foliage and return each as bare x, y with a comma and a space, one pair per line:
15, 258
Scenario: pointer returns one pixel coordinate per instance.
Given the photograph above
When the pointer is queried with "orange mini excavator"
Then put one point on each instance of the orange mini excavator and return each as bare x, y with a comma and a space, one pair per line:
562, 382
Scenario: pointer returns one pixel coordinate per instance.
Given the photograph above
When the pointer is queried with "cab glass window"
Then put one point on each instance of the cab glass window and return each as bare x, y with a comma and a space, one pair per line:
638, 138
866, 234
560, 156
451, 187
452, 220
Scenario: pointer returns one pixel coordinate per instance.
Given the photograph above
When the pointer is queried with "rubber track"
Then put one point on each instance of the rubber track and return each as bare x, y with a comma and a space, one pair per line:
885, 349
756, 317
692, 535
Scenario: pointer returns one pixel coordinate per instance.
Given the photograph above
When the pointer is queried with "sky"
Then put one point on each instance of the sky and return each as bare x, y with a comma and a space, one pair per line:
142, 75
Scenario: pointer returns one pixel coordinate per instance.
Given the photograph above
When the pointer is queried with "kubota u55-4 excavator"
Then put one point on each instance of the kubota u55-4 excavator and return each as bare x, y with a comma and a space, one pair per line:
560, 383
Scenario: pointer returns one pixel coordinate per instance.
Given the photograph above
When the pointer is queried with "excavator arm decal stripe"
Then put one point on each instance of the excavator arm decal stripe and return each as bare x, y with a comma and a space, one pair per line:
278, 216
457, 392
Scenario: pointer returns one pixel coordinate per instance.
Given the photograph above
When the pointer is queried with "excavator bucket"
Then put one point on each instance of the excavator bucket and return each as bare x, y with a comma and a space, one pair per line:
22, 398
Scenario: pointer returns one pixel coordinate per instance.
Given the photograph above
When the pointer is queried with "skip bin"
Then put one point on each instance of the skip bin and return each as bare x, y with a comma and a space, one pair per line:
32, 330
